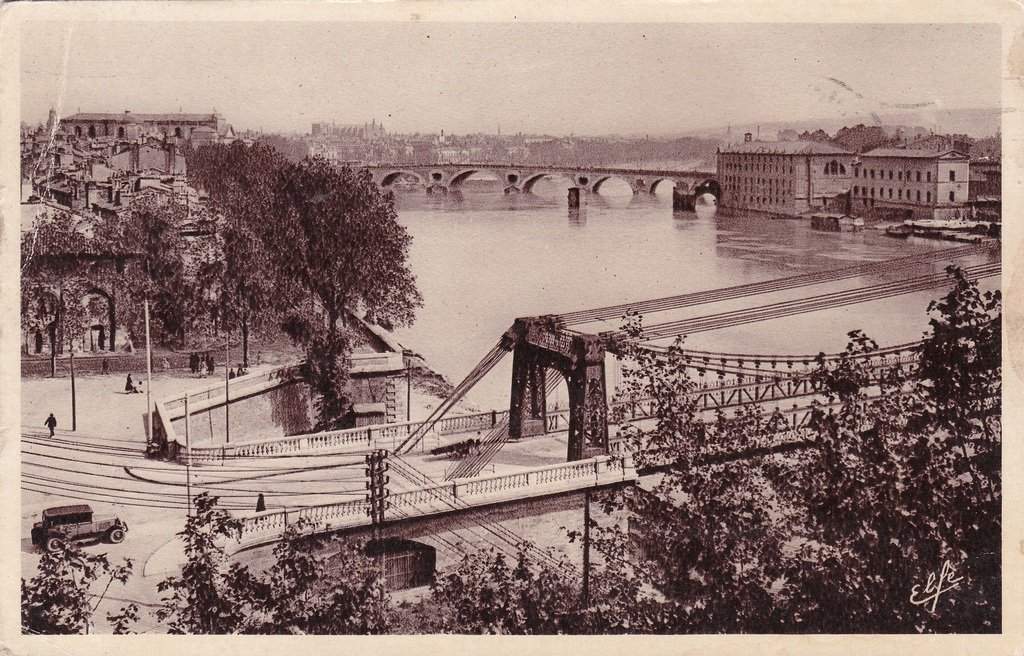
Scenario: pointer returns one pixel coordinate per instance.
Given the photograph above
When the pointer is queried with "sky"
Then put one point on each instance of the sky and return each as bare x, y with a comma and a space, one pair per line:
551, 78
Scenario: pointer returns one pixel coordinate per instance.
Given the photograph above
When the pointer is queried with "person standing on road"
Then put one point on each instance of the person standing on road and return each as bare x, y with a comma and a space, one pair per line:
106, 366
51, 423
129, 386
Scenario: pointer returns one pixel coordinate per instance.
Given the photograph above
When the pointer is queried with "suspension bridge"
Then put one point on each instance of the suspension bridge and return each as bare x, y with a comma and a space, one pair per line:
318, 477
559, 344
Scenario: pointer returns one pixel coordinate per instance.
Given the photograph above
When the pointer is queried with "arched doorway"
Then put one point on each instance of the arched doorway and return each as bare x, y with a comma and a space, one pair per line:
100, 334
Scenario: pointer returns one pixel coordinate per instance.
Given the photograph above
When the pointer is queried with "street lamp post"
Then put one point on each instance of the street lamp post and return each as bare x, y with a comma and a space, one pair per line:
188, 461
149, 378
74, 413
227, 401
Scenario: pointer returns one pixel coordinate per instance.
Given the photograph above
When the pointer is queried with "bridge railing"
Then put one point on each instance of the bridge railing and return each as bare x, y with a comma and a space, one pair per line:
388, 436
437, 498
347, 440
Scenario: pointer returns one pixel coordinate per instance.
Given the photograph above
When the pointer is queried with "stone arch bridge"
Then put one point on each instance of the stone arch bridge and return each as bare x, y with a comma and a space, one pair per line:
445, 178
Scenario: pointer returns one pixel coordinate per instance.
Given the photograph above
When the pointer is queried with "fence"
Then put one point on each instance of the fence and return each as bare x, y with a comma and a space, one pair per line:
433, 499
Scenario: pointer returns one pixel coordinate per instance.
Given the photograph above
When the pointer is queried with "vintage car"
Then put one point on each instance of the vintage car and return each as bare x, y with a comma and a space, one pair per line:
66, 523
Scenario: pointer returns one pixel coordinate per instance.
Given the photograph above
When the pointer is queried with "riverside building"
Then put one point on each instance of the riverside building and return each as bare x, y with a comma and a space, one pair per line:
784, 178
905, 183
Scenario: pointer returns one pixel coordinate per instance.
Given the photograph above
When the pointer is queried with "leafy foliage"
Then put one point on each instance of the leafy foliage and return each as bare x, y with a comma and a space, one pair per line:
209, 596
487, 594
306, 245
961, 361
298, 594
161, 270
55, 259
904, 476
57, 600
242, 277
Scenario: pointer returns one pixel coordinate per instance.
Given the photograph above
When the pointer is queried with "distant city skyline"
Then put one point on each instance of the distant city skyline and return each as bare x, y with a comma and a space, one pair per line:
546, 78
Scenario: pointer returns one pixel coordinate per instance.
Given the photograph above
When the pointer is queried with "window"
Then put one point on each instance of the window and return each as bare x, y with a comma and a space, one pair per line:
872, 174
872, 192
120, 133
899, 194
92, 130
890, 174
952, 195
919, 179
856, 190
919, 193
890, 189
952, 178
78, 130
929, 176
929, 197
842, 170
177, 132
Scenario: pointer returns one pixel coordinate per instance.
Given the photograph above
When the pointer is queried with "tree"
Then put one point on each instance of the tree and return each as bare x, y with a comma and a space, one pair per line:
57, 600
487, 594
300, 593
209, 596
711, 531
961, 369
149, 233
886, 502
336, 238
242, 277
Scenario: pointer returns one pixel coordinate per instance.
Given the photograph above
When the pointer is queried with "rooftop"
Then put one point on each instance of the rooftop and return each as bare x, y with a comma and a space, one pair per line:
912, 153
129, 117
786, 148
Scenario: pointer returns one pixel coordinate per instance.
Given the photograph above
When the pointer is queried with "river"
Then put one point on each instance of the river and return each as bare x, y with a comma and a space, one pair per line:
485, 259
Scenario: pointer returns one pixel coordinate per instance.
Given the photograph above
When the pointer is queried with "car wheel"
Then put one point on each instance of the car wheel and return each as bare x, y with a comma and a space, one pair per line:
53, 544
116, 535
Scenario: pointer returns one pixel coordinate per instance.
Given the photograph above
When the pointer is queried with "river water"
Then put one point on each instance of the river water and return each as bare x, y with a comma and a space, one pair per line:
485, 259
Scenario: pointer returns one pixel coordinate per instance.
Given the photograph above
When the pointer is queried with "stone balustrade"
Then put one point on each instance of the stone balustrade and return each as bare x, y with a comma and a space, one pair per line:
436, 498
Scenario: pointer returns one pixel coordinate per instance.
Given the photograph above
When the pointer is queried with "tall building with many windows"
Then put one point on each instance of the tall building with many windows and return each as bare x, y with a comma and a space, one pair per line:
129, 125
905, 183
783, 177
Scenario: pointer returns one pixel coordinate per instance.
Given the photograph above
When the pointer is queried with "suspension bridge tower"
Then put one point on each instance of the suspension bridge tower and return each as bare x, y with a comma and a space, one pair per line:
539, 344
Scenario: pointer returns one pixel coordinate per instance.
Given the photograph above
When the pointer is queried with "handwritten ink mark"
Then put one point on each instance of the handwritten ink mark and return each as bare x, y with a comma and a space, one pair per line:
933, 588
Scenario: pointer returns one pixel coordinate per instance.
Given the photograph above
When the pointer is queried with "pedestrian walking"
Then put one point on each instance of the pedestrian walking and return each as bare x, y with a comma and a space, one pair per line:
129, 386
106, 366
51, 423
261, 503
209, 364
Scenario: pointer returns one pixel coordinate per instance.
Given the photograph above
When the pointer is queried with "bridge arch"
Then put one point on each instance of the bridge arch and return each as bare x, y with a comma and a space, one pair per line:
390, 178
680, 185
532, 179
462, 176
709, 186
596, 186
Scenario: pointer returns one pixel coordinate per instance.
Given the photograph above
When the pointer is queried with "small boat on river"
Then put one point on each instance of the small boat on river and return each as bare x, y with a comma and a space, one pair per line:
899, 231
